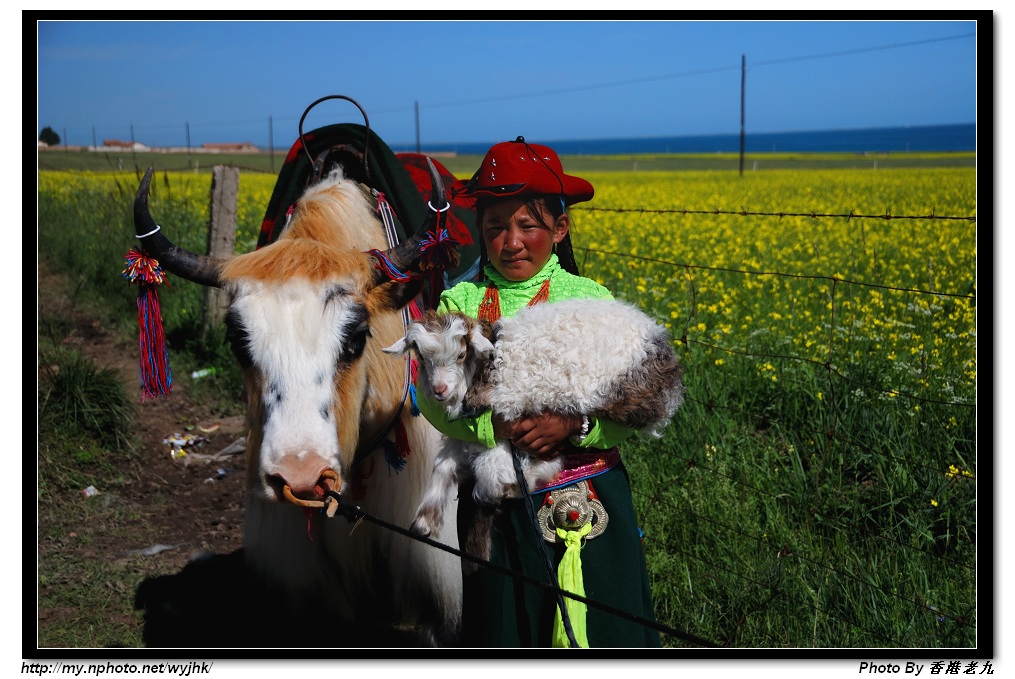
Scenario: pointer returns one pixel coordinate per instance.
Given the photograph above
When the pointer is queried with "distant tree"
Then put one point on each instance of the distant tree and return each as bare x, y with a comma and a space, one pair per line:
48, 136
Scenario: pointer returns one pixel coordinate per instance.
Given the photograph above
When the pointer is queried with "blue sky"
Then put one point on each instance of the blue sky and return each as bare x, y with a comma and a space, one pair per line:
491, 81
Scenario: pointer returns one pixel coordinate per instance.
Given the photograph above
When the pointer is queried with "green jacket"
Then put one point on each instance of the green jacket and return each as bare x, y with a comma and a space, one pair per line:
466, 297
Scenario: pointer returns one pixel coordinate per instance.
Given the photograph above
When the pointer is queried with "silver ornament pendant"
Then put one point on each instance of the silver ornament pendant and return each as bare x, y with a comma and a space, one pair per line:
570, 509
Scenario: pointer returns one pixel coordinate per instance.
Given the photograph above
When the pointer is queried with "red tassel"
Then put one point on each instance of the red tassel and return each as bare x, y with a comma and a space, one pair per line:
434, 288
401, 440
156, 373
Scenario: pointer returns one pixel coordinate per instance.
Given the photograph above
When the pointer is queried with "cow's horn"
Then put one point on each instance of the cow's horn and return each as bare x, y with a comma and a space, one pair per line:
438, 199
183, 263
405, 255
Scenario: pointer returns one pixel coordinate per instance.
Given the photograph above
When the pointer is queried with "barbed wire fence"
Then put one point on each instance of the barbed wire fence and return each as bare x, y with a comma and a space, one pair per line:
838, 432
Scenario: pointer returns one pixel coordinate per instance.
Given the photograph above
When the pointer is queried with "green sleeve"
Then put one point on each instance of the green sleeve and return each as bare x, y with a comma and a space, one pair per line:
477, 429
605, 434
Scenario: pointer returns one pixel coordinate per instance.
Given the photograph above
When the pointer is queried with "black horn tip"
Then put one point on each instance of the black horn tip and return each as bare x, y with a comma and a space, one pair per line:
143, 222
146, 181
144, 187
438, 199
200, 269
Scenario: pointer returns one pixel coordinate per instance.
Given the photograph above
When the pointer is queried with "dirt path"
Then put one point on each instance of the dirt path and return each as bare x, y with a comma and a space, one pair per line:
185, 499
175, 508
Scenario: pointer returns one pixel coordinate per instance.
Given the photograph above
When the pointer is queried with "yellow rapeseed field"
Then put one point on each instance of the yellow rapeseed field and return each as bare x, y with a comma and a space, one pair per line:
818, 288
190, 191
825, 289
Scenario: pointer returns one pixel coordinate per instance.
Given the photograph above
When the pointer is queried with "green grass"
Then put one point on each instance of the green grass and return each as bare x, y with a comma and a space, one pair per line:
89, 601
86, 438
774, 519
85, 419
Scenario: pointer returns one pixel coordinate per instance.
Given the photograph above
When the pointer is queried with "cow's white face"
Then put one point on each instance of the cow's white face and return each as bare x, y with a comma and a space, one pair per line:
297, 342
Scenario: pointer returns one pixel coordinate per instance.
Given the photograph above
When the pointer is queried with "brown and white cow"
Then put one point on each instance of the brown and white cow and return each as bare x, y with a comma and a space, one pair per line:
308, 316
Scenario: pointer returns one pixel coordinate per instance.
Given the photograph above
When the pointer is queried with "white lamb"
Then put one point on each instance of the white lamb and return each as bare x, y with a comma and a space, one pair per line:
600, 358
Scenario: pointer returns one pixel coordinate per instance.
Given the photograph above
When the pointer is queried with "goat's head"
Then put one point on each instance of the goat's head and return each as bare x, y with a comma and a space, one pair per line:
452, 350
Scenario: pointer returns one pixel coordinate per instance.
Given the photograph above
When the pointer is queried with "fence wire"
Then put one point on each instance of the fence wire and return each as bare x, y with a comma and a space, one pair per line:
834, 432
783, 552
887, 216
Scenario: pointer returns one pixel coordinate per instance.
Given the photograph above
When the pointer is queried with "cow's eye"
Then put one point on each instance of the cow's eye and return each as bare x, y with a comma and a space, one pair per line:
356, 342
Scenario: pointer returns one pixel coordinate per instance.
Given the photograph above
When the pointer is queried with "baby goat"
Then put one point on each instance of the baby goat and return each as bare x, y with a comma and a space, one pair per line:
600, 358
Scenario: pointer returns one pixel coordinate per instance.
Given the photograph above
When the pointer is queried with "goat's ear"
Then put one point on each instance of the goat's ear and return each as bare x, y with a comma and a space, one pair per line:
399, 347
480, 343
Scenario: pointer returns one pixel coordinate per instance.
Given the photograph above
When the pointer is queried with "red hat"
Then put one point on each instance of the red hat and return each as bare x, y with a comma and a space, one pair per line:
517, 168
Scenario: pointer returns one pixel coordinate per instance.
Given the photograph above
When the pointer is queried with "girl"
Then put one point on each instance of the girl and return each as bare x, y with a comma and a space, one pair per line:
521, 194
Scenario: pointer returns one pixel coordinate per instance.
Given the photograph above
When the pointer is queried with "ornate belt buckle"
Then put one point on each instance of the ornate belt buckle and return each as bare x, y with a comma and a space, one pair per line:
571, 508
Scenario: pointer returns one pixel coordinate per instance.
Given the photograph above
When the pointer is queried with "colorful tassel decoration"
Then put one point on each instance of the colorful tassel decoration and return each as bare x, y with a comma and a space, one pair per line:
438, 250
414, 409
415, 313
156, 373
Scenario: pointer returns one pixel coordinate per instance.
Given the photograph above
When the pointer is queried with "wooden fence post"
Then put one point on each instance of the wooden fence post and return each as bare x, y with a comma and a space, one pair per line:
225, 185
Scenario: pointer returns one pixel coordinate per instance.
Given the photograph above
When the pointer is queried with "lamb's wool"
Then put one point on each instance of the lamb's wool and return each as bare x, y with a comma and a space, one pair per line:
586, 356
623, 368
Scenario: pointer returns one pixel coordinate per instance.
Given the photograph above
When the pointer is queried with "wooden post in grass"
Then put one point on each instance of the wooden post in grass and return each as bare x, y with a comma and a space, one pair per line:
225, 186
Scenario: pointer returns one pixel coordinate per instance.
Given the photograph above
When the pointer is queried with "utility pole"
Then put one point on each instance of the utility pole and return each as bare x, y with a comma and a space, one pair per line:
743, 78
417, 126
271, 144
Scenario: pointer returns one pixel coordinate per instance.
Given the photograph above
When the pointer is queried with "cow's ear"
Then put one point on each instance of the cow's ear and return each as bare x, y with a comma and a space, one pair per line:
393, 295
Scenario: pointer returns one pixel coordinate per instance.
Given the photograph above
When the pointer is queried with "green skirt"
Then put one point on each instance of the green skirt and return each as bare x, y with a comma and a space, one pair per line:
502, 611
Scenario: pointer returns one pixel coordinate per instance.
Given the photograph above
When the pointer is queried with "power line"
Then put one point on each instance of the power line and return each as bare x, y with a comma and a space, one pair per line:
584, 88
621, 83
859, 50
702, 71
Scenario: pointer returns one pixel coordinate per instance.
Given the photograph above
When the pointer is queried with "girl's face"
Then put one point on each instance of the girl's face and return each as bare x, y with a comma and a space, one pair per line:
517, 243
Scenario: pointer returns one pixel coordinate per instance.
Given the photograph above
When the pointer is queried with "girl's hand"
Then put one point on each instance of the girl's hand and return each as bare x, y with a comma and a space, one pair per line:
544, 436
